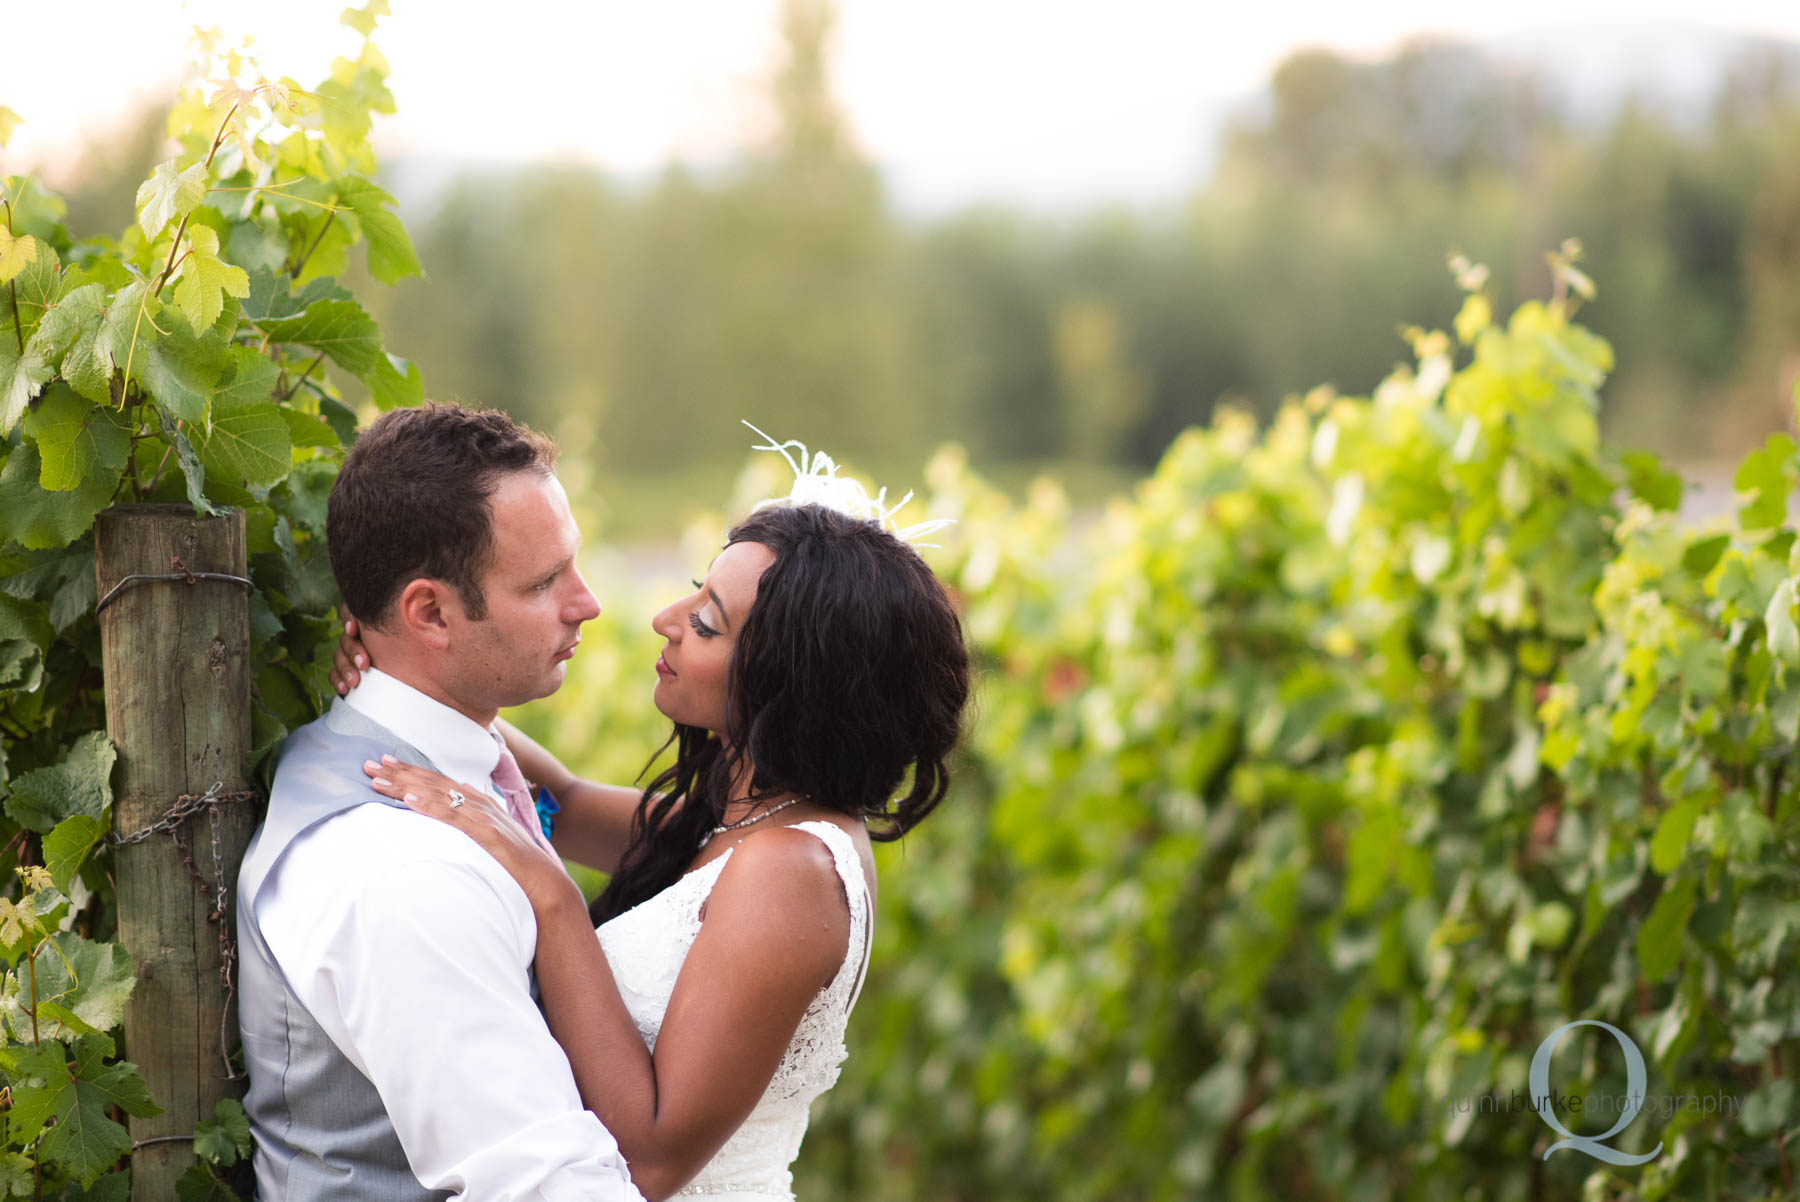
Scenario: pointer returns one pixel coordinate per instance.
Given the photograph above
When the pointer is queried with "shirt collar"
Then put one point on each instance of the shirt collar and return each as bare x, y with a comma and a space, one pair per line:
461, 749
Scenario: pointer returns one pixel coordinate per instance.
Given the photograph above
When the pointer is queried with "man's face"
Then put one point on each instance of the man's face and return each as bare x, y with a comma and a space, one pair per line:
536, 599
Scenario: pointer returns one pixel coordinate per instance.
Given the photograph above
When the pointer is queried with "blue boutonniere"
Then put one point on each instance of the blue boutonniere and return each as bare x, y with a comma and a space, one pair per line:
546, 810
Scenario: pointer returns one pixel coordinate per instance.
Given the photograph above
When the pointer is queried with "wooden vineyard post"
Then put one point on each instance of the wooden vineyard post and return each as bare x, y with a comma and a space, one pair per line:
176, 656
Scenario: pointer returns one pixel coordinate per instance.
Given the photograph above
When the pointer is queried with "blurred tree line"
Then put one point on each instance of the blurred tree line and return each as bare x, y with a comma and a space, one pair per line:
642, 320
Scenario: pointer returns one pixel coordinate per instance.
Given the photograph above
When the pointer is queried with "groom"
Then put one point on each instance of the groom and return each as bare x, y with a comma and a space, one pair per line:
393, 1045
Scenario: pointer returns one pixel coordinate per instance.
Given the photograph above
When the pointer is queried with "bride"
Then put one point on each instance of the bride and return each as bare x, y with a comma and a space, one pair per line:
818, 669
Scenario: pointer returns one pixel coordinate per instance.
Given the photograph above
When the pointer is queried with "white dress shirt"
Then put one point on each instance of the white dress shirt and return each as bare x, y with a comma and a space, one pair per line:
411, 946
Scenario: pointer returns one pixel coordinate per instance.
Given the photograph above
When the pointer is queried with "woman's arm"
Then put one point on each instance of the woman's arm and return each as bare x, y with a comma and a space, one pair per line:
593, 823
776, 930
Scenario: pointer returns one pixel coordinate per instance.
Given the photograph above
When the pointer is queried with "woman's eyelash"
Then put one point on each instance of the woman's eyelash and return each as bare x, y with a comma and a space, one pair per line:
701, 628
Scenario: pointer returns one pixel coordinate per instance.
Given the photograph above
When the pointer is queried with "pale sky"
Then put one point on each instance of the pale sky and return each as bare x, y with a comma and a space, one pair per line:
1060, 100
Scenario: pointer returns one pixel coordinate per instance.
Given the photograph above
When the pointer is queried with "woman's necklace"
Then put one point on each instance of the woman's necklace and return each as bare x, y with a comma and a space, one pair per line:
743, 822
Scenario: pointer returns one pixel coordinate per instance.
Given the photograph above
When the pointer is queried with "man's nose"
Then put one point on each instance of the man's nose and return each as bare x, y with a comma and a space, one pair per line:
586, 605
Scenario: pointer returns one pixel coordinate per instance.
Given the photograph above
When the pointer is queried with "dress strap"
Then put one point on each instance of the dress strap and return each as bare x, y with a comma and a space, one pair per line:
856, 894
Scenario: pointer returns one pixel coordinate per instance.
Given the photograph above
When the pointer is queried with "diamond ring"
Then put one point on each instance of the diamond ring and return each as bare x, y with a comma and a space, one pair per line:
456, 799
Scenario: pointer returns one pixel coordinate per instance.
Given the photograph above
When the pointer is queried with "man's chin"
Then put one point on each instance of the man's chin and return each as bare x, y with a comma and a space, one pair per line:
536, 690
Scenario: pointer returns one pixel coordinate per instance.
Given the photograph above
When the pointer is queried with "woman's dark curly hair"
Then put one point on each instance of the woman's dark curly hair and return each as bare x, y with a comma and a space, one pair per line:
849, 671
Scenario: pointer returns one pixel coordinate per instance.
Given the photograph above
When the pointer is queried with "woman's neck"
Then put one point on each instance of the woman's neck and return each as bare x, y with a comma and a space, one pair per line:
740, 805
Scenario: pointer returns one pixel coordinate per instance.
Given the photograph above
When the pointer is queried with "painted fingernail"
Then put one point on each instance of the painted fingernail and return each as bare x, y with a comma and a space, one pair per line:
382, 783
370, 766
388, 759
360, 663
411, 799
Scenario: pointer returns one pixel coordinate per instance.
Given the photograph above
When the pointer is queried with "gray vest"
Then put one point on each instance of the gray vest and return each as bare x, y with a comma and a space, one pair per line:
322, 1133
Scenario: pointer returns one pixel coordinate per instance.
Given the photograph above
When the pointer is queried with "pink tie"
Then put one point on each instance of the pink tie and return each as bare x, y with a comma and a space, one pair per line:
512, 786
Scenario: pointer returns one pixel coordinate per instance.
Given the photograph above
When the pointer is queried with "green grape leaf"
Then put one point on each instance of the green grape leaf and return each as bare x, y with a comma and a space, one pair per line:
75, 316
15, 254
79, 784
198, 1183
1784, 636
248, 445
74, 594
1770, 1108
1703, 554
270, 299
78, 1089
1672, 832
125, 333
113, 1187
250, 381
36, 289
20, 378
66, 848
396, 383
360, 19
1651, 481
25, 636
1768, 475
341, 418
253, 246
181, 370
305, 495
92, 980
307, 430
24, 618
340, 328
192, 471
36, 519
35, 209
225, 1139
1659, 939
391, 254
78, 440
15, 1172
168, 195
56, 1097
204, 279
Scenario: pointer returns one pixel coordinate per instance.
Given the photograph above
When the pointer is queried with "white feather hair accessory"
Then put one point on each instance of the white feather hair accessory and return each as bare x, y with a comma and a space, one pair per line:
816, 482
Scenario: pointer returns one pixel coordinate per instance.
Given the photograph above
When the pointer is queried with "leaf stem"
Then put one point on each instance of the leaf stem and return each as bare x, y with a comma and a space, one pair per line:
31, 969
156, 477
218, 141
291, 389
18, 329
329, 218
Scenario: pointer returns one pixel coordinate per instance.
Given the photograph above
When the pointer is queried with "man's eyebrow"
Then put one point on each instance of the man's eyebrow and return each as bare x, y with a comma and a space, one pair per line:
724, 618
554, 572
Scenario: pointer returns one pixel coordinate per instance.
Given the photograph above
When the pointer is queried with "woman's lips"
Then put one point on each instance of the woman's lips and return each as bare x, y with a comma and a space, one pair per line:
663, 668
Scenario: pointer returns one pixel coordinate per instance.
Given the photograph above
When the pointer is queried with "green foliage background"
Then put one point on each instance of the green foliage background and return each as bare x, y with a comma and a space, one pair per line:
1312, 787
179, 362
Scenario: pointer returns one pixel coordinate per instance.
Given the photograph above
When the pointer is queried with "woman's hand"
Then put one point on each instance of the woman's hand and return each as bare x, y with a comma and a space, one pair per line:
480, 817
350, 658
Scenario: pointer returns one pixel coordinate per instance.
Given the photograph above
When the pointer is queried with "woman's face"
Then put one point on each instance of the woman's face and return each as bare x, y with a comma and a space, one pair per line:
702, 630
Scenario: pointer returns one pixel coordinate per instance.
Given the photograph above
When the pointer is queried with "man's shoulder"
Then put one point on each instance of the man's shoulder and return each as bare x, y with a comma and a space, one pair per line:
377, 838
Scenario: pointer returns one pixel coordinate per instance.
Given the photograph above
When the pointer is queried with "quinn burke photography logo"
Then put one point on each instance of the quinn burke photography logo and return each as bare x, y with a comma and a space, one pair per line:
1560, 1110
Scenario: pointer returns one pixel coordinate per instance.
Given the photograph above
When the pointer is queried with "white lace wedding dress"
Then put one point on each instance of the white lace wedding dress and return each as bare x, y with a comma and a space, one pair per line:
646, 946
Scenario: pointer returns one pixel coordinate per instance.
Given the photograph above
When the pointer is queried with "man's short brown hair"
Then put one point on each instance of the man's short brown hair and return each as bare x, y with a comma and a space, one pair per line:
413, 500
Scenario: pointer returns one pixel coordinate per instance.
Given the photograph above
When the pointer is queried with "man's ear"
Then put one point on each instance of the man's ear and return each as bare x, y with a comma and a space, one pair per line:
421, 612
